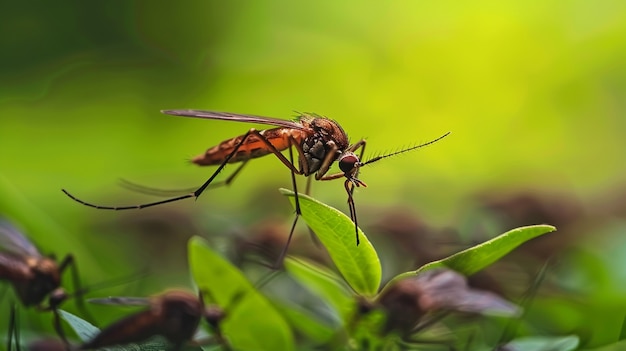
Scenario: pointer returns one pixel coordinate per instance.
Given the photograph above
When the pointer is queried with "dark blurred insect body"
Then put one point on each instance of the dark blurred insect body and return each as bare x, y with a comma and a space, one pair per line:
174, 315
319, 142
33, 276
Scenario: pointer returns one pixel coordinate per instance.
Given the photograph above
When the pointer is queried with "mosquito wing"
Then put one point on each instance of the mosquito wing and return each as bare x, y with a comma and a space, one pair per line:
14, 242
121, 301
227, 116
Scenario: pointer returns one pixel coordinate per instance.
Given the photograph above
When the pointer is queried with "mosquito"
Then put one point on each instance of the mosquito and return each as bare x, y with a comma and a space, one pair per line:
318, 141
174, 314
33, 276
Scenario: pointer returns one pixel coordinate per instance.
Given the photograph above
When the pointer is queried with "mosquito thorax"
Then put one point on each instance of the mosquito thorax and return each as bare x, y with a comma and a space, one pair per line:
327, 136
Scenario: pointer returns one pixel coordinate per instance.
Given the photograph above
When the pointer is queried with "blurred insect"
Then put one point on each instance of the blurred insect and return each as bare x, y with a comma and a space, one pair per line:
416, 303
319, 142
174, 315
33, 276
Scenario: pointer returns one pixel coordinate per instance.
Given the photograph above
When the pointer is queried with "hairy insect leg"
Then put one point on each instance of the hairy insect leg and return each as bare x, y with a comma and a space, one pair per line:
312, 234
281, 257
347, 185
79, 292
58, 328
173, 192
352, 182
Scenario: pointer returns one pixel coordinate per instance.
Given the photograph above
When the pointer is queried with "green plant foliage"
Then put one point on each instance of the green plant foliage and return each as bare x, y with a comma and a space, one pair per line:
359, 265
476, 258
252, 323
544, 343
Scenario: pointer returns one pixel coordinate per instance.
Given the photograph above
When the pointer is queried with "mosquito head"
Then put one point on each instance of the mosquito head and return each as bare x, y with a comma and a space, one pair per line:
56, 298
349, 163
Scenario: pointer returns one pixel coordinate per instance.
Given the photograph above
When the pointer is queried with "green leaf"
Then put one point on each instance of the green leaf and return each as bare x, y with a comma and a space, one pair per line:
359, 265
85, 330
252, 323
476, 258
322, 282
541, 343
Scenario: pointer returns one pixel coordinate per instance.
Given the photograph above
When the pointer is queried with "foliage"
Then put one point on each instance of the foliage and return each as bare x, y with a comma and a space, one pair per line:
253, 322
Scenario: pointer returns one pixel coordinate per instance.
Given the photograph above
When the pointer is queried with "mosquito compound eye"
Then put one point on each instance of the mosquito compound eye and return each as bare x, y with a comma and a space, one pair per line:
348, 162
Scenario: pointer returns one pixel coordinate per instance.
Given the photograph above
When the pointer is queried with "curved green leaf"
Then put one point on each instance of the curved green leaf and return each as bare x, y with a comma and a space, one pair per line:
476, 258
85, 330
359, 265
252, 323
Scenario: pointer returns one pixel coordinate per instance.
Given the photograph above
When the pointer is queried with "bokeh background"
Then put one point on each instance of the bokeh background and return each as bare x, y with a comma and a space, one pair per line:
533, 93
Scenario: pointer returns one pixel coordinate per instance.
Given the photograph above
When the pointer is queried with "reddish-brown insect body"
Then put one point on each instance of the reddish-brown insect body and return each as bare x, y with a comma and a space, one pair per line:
314, 135
174, 315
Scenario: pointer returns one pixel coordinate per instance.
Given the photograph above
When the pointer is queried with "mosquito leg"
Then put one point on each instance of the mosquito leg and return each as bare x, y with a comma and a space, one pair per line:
361, 144
203, 187
347, 185
314, 237
279, 262
79, 292
308, 185
59, 328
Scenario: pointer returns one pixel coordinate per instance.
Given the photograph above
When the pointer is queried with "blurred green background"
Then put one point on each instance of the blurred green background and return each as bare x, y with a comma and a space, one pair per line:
533, 93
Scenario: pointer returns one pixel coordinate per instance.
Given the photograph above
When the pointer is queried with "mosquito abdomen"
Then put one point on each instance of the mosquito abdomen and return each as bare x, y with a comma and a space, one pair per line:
252, 147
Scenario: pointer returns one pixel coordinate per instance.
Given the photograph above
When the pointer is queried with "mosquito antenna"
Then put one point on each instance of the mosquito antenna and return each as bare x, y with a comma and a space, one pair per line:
403, 151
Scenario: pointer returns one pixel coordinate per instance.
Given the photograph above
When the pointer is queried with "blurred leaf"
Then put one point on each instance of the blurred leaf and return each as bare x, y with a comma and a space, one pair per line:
476, 258
543, 343
323, 283
85, 330
305, 323
359, 265
252, 323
